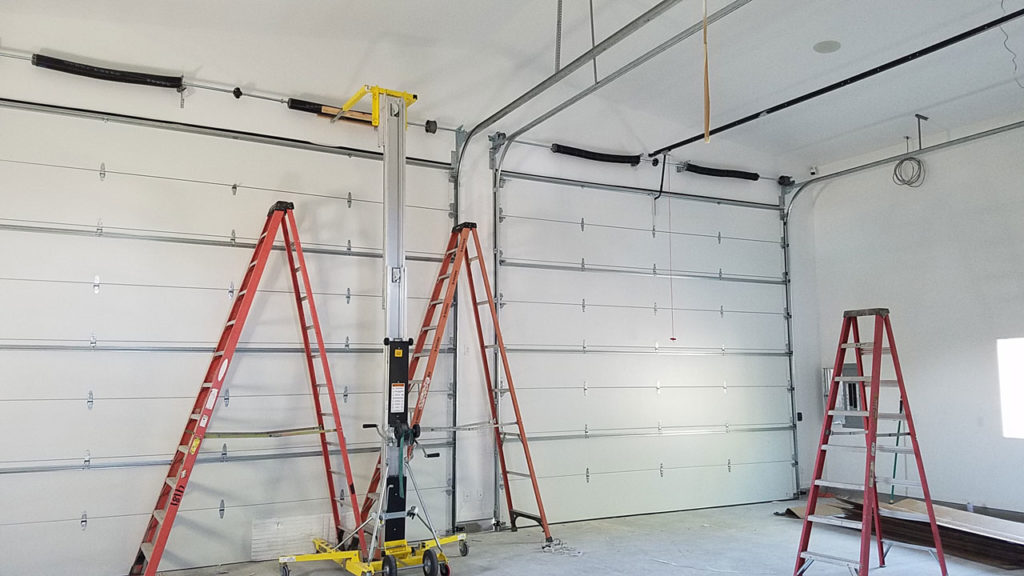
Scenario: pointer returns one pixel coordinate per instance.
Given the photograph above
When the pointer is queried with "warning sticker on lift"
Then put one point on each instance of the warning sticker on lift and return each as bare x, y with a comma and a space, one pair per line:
397, 397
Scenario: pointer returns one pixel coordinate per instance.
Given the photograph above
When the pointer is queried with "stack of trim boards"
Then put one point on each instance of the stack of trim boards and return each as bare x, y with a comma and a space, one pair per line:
976, 537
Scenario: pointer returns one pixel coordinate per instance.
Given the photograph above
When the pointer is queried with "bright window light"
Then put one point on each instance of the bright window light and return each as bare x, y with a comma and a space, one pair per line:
1011, 385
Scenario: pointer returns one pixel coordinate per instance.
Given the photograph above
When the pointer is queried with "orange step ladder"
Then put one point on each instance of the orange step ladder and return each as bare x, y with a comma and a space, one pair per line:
171, 492
869, 387
458, 257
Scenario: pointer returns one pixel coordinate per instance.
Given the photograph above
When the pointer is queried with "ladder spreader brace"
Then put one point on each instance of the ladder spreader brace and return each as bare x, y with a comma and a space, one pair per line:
171, 492
457, 258
869, 395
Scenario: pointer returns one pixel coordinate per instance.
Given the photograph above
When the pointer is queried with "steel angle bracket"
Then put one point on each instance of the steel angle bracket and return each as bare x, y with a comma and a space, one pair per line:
375, 92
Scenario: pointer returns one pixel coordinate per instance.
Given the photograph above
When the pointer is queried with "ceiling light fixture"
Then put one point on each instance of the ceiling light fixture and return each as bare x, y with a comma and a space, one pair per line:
827, 46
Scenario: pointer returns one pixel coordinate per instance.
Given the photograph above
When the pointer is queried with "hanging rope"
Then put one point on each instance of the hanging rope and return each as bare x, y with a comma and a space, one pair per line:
707, 89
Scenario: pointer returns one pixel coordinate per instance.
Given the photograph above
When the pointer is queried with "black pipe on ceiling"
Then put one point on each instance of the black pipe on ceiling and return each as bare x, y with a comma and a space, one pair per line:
109, 74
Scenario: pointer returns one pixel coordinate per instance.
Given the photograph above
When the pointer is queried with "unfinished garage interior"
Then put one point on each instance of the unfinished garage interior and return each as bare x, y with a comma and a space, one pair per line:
539, 287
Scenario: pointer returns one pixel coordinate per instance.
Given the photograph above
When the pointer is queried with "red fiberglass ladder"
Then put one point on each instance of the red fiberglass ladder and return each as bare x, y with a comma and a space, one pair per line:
869, 386
159, 528
456, 257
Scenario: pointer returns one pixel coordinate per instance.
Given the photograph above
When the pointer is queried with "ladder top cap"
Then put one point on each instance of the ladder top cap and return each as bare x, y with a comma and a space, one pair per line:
281, 205
866, 312
464, 225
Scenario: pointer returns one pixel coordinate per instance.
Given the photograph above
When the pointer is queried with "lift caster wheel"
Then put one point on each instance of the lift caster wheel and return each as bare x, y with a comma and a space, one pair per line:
285, 571
389, 566
446, 570
431, 566
463, 548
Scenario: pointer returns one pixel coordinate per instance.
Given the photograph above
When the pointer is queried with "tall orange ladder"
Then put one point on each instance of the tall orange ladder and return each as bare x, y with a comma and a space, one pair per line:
869, 389
172, 490
457, 256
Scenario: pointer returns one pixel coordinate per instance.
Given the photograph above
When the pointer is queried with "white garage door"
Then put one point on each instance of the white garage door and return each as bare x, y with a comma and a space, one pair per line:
114, 287
649, 348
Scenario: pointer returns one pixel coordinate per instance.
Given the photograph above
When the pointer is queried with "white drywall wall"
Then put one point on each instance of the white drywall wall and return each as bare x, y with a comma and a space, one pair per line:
947, 260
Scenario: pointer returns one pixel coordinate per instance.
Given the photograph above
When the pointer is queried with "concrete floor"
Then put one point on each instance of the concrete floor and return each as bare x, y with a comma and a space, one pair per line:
747, 540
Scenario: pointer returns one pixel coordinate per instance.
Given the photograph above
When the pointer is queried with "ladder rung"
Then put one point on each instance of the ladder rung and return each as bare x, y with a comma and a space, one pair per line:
159, 515
434, 303
147, 549
444, 277
867, 347
297, 268
421, 355
304, 297
241, 292
864, 414
842, 485
865, 379
452, 251
262, 236
207, 384
910, 546
308, 326
482, 302
898, 482
429, 328
229, 323
194, 416
331, 414
835, 521
896, 449
218, 353
171, 481
828, 447
183, 449
251, 264
520, 474
472, 258
828, 559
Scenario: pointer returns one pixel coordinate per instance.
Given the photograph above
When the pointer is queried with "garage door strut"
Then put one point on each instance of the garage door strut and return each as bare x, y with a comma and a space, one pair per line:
869, 388
280, 218
457, 256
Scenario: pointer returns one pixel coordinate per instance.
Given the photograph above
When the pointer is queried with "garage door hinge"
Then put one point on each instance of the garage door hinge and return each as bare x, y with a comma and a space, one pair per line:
231, 290
725, 386
234, 189
729, 464
224, 452
586, 431
348, 199
501, 214
85, 520
103, 171
585, 388
348, 295
89, 400
657, 386
96, 284
92, 340
344, 395
661, 469
584, 345
221, 509
588, 475
234, 236
659, 426
87, 461
583, 263
99, 227
583, 225
226, 396
583, 305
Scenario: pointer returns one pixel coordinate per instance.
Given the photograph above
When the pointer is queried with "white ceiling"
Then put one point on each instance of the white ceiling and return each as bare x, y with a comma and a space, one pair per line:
467, 58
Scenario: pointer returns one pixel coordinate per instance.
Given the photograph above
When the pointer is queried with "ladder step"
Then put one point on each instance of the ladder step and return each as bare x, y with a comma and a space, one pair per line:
896, 449
835, 521
434, 303
864, 414
429, 328
520, 474
297, 268
147, 549
828, 559
251, 264
421, 355
229, 323
218, 353
183, 449
308, 326
194, 416
865, 379
842, 485
207, 384
867, 347
242, 292
304, 297
443, 277
482, 302
171, 481
159, 515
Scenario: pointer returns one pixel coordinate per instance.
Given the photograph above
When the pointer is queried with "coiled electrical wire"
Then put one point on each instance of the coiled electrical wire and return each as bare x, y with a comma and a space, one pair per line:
908, 172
